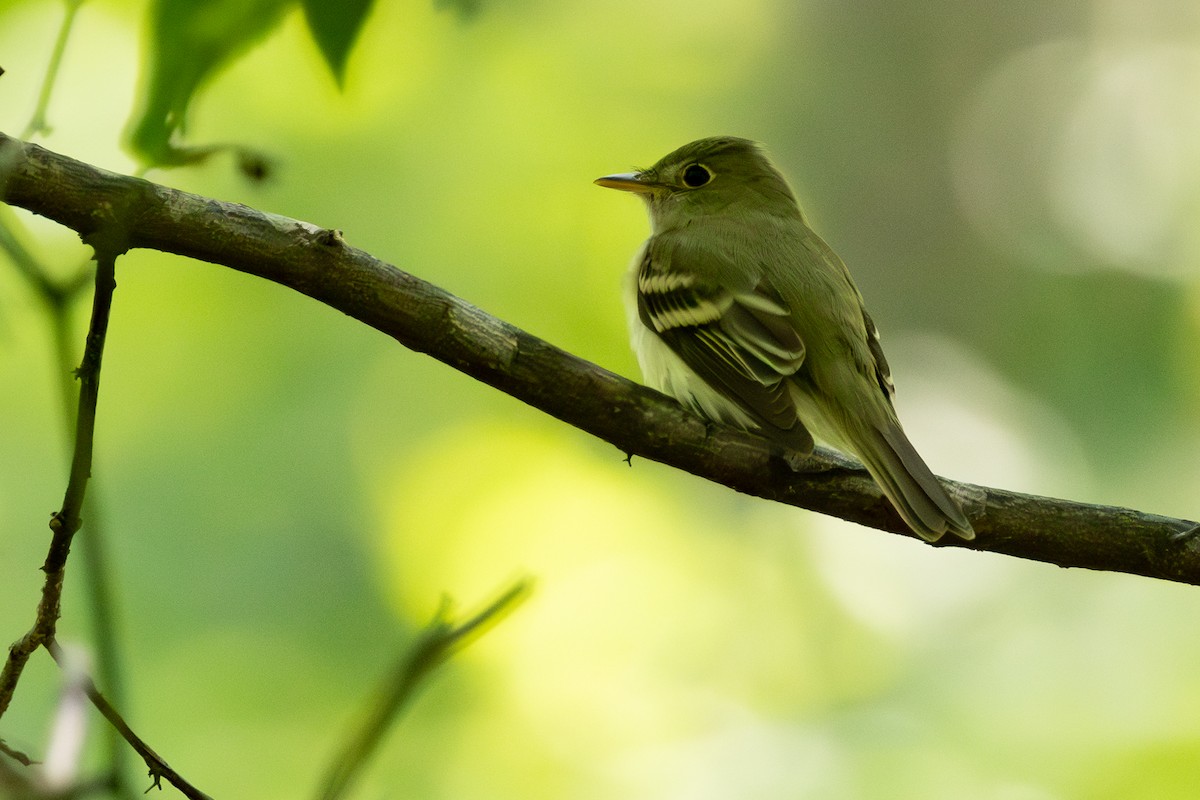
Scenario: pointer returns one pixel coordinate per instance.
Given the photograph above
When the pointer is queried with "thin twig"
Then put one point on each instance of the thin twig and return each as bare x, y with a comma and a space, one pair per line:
438, 642
159, 769
637, 420
16, 755
66, 521
58, 297
37, 123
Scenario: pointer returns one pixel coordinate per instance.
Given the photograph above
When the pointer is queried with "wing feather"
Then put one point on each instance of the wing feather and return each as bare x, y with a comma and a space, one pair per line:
737, 339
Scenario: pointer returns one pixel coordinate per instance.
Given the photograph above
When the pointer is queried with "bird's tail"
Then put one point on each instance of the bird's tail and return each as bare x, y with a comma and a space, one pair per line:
908, 483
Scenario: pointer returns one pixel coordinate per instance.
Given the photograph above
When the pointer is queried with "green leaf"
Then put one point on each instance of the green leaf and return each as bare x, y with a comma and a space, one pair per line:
190, 41
335, 27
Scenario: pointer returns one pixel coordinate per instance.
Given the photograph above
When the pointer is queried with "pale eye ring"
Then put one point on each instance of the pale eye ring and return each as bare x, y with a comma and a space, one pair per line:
696, 175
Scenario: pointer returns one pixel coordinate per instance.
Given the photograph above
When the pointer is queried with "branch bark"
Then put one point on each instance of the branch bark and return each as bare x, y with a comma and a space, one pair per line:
637, 420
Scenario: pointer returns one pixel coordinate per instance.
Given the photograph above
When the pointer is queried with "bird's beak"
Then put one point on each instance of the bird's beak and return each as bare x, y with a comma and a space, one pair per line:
627, 182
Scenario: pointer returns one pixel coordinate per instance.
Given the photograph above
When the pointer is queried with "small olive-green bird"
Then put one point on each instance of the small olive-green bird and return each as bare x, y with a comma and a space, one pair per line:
742, 313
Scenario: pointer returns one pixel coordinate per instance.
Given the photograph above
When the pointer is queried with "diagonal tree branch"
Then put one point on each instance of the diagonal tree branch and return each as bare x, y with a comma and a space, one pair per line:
639, 421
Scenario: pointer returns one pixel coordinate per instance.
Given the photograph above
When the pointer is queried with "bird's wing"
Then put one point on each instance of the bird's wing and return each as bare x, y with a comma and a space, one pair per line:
731, 327
883, 373
871, 362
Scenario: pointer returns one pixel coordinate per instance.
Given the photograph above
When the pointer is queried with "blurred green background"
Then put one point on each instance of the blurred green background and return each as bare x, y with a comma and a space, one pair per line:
288, 495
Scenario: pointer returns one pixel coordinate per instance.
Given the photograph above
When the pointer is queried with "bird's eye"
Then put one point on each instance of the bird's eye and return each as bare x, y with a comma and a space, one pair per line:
696, 175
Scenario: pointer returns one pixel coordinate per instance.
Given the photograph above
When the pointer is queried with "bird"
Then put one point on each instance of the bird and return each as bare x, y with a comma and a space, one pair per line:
742, 313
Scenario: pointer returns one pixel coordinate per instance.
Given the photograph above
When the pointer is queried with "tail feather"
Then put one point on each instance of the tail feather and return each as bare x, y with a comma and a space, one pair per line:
912, 488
